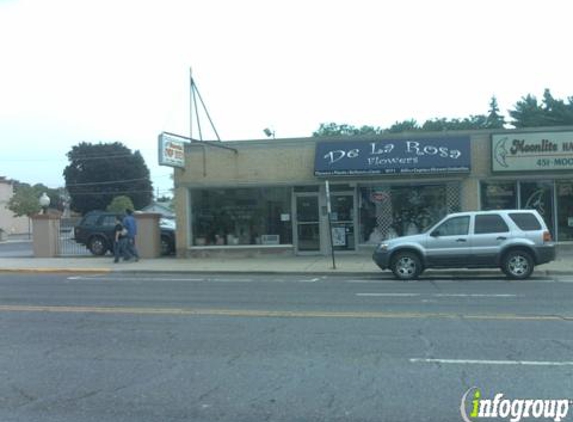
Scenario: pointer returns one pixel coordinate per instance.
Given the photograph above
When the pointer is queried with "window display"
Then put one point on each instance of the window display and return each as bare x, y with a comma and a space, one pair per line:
552, 199
539, 196
387, 212
565, 210
498, 195
249, 216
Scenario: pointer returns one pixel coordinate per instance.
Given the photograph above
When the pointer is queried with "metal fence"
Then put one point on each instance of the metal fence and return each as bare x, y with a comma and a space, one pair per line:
67, 246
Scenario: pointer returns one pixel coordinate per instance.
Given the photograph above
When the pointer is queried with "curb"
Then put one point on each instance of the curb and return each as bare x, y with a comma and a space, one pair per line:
331, 272
55, 270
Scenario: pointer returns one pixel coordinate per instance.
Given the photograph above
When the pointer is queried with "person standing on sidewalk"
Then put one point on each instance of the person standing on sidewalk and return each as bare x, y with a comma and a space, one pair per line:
120, 241
131, 225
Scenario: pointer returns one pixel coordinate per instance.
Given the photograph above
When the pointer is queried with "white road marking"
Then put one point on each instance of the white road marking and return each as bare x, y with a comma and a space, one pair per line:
389, 294
368, 281
219, 280
471, 295
419, 281
230, 280
491, 362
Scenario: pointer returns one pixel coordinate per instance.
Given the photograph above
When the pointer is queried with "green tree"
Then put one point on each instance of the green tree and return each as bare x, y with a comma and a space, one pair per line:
99, 172
24, 202
557, 112
119, 204
551, 112
494, 120
405, 126
334, 129
528, 113
468, 123
435, 125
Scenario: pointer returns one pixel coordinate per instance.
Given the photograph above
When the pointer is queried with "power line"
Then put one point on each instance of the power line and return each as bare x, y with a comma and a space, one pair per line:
111, 192
76, 158
107, 183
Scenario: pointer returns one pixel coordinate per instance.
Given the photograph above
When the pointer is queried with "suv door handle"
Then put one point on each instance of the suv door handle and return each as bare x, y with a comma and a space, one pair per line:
501, 238
461, 240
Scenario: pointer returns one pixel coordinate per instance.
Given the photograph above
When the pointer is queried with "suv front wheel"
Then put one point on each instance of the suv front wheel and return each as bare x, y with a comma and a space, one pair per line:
517, 264
406, 266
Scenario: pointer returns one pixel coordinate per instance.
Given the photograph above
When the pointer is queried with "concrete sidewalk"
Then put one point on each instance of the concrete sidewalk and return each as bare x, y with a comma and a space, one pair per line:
360, 264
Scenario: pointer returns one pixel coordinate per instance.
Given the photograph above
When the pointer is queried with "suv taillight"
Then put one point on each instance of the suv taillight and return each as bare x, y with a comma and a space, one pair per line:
546, 236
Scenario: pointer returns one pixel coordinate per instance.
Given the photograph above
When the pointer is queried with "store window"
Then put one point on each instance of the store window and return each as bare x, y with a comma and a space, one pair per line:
539, 196
244, 216
391, 211
565, 210
498, 195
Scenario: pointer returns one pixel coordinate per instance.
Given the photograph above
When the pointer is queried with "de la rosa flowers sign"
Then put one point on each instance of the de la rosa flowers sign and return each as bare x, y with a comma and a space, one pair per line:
402, 156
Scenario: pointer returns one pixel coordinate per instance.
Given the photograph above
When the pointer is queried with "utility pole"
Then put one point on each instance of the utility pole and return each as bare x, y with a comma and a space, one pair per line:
329, 212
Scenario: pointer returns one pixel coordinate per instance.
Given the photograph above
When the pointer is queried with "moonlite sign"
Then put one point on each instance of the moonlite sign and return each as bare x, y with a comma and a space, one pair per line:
171, 150
402, 156
540, 151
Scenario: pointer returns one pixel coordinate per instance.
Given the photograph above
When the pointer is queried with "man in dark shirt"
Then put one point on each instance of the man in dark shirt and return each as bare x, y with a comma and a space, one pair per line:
120, 241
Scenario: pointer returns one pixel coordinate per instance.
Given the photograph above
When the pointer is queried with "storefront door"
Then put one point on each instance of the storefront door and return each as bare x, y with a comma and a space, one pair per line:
307, 223
343, 221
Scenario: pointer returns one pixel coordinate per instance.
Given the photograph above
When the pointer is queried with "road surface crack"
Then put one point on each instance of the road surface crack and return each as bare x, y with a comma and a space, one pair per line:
428, 344
28, 397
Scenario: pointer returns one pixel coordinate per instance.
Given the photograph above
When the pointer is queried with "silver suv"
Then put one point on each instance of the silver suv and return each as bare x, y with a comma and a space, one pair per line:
513, 240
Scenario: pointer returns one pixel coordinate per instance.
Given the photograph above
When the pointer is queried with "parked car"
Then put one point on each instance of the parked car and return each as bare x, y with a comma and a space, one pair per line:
167, 227
513, 240
96, 231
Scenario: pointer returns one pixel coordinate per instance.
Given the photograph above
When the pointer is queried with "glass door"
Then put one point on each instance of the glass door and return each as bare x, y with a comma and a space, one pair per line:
343, 222
307, 223
565, 211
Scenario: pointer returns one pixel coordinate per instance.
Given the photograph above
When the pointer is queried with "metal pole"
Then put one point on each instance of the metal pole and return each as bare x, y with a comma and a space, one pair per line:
207, 113
329, 212
191, 83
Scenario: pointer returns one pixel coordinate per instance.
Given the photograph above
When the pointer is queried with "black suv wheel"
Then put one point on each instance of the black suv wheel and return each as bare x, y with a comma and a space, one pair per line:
98, 246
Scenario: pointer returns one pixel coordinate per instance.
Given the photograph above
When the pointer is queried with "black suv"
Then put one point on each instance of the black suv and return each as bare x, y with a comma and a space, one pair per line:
96, 231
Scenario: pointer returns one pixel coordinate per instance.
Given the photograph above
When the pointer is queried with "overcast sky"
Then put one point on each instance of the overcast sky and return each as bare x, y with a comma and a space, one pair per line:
79, 70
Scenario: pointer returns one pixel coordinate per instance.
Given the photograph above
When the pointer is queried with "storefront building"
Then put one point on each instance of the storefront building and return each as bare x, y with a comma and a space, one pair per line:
273, 195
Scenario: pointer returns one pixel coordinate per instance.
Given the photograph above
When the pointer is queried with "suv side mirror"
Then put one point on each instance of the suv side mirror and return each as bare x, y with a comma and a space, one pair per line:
435, 233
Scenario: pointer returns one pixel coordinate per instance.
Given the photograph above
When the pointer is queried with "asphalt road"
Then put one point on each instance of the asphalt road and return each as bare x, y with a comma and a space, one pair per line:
287, 348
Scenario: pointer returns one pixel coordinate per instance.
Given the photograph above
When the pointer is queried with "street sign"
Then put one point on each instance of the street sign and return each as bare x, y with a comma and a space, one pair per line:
171, 150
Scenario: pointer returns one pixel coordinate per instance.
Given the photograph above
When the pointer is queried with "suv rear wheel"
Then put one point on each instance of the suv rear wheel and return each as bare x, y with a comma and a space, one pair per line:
97, 246
406, 266
517, 264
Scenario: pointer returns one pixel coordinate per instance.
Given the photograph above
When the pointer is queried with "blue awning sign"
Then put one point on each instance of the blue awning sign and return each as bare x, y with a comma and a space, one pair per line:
402, 156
